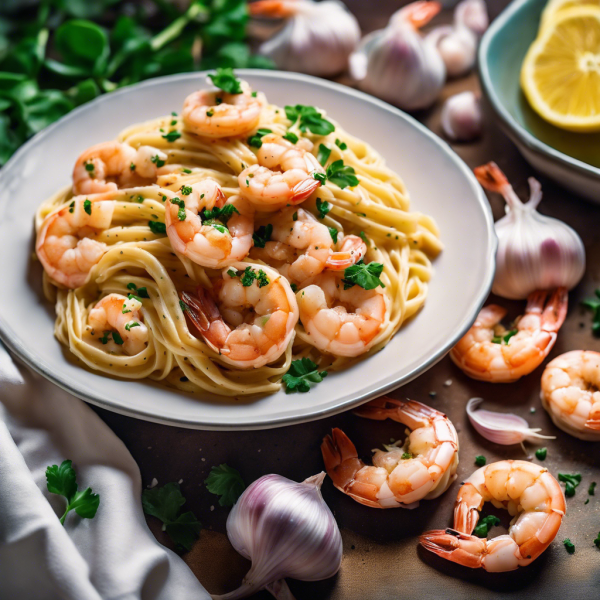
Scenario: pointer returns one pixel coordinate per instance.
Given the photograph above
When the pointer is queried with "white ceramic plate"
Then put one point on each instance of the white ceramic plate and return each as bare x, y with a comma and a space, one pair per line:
440, 184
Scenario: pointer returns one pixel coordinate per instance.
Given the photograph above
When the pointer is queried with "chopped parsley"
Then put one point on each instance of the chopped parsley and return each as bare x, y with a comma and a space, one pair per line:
480, 461
571, 482
540, 453
249, 276
225, 80
365, 276
186, 171
157, 227
132, 167
301, 374
226, 482
183, 306
256, 140
139, 198
89, 167
592, 489
594, 306
218, 226
291, 137
72, 207
320, 177
262, 235
499, 339
341, 145
232, 273
569, 546
333, 232
181, 212
219, 214
62, 480
254, 94
323, 154
262, 279
309, 119
294, 287
129, 326
157, 161
342, 175
172, 136
87, 206
143, 293
186, 190
406, 456
117, 339
363, 237
323, 208
597, 541
484, 526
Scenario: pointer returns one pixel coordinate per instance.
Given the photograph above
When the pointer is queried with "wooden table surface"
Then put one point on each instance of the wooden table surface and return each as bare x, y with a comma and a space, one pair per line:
381, 557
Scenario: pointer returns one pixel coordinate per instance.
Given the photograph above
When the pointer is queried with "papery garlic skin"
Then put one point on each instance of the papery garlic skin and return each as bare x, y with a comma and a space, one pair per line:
398, 65
317, 39
462, 119
286, 530
473, 15
457, 47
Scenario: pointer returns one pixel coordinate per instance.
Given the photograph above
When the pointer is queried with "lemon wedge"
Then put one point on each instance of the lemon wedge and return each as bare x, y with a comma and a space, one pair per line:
561, 71
555, 6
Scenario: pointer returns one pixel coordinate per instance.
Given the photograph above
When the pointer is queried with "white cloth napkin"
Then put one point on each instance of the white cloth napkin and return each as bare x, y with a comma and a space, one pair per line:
112, 556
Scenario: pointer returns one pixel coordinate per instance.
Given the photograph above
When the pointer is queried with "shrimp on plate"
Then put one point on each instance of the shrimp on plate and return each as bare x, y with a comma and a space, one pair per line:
65, 244
217, 114
351, 249
283, 175
421, 469
120, 313
109, 166
248, 317
489, 352
339, 321
532, 497
571, 393
208, 236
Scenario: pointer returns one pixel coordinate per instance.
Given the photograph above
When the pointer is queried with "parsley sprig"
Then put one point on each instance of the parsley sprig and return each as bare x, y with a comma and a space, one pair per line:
363, 275
301, 374
62, 480
342, 175
226, 482
310, 119
165, 504
225, 80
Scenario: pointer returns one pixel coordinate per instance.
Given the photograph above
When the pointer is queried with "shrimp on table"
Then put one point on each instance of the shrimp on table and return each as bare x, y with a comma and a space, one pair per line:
65, 244
203, 226
120, 313
283, 175
489, 352
217, 114
109, 166
532, 497
422, 468
571, 393
342, 322
249, 317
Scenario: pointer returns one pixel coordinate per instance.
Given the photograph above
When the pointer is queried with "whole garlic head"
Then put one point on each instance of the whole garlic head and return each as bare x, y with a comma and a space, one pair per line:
457, 47
535, 252
461, 117
317, 39
397, 64
473, 15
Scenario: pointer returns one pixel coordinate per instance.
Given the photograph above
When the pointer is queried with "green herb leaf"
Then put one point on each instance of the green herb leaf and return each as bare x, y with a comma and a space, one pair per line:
117, 339
594, 305
540, 453
157, 161
226, 482
128, 326
480, 461
569, 546
157, 227
570, 481
262, 235
256, 140
323, 154
333, 232
406, 456
62, 480
87, 206
597, 541
143, 293
171, 136
291, 137
342, 175
484, 526
186, 190
363, 275
165, 503
301, 374
592, 489
341, 145
219, 214
294, 287
320, 177
309, 119
225, 80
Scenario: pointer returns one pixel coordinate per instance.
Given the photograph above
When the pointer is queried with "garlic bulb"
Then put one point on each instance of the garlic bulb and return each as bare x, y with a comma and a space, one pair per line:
317, 39
461, 117
286, 530
457, 47
501, 428
535, 252
398, 64
473, 15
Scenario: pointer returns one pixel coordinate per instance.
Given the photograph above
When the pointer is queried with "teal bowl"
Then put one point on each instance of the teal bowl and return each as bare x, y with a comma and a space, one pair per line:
571, 159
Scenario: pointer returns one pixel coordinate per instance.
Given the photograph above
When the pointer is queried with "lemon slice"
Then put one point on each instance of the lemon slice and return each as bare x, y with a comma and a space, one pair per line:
561, 71
555, 6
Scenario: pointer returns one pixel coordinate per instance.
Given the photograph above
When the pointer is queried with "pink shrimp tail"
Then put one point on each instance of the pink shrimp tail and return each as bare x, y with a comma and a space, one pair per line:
466, 550
555, 311
272, 8
418, 14
351, 251
409, 412
301, 191
491, 177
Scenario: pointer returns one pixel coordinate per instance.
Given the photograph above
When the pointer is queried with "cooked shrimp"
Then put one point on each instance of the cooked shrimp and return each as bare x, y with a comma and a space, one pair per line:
65, 244
250, 317
571, 393
116, 312
532, 497
351, 250
342, 322
111, 165
283, 175
490, 353
422, 468
213, 242
216, 114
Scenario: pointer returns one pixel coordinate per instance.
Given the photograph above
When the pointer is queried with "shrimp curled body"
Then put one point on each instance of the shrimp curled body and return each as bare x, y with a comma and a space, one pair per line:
571, 393
532, 497
480, 357
423, 468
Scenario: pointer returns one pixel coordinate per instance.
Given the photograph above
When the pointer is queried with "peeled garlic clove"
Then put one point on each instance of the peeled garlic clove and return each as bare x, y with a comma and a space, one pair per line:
501, 428
397, 64
461, 117
457, 47
317, 39
472, 14
286, 530
535, 252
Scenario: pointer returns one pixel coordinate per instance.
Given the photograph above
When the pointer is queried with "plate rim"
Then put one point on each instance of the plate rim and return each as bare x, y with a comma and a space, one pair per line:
512, 127
101, 401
